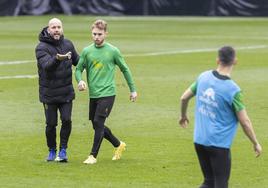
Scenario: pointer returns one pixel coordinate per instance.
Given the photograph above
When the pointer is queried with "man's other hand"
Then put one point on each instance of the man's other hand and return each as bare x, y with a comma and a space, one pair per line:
133, 96
82, 86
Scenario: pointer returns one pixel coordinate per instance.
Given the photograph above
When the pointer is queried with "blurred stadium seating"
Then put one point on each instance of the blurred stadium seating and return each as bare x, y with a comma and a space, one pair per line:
135, 7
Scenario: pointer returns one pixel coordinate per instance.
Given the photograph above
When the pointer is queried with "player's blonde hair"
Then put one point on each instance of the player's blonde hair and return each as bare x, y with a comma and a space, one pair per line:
100, 24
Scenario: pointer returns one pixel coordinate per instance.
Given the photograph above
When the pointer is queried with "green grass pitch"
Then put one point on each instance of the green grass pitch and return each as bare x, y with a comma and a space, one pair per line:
165, 54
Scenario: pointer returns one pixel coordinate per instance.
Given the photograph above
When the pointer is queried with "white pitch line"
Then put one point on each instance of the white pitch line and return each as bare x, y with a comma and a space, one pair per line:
134, 55
193, 51
15, 62
179, 51
18, 77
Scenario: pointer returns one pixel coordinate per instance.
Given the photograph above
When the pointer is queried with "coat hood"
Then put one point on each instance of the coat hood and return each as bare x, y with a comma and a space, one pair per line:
44, 36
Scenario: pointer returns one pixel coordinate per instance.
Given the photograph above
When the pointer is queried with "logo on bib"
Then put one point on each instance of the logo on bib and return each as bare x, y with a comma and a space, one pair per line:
208, 103
209, 94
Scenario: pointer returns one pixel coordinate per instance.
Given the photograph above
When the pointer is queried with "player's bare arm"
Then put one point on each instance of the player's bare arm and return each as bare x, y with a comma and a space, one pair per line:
249, 131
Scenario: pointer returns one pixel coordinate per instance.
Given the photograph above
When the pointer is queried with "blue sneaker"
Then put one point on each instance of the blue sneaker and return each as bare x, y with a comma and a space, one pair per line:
62, 156
52, 155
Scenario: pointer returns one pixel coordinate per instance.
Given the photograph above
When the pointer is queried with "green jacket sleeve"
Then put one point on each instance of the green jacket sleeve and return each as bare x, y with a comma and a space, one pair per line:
193, 87
80, 67
120, 62
238, 104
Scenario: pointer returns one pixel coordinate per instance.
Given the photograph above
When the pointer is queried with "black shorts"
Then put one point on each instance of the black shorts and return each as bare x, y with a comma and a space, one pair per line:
100, 107
215, 164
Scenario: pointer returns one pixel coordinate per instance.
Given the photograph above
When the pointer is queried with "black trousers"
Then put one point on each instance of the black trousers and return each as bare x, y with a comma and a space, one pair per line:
51, 113
99, 110
215, 164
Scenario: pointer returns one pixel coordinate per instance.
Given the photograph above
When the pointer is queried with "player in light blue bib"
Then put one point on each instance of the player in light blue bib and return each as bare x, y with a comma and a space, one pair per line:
218, 109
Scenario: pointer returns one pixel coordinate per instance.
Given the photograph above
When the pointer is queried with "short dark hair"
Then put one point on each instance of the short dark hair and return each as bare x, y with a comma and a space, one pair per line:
226, 55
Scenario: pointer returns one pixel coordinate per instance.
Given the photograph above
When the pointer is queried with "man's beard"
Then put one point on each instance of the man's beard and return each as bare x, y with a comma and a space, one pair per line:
99, 42
56, 36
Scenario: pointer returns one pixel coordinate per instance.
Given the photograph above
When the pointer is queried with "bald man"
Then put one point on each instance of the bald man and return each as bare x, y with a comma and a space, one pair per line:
55, 56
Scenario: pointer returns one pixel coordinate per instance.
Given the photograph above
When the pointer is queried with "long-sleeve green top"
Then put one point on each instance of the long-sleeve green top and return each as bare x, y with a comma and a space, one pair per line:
100, 63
